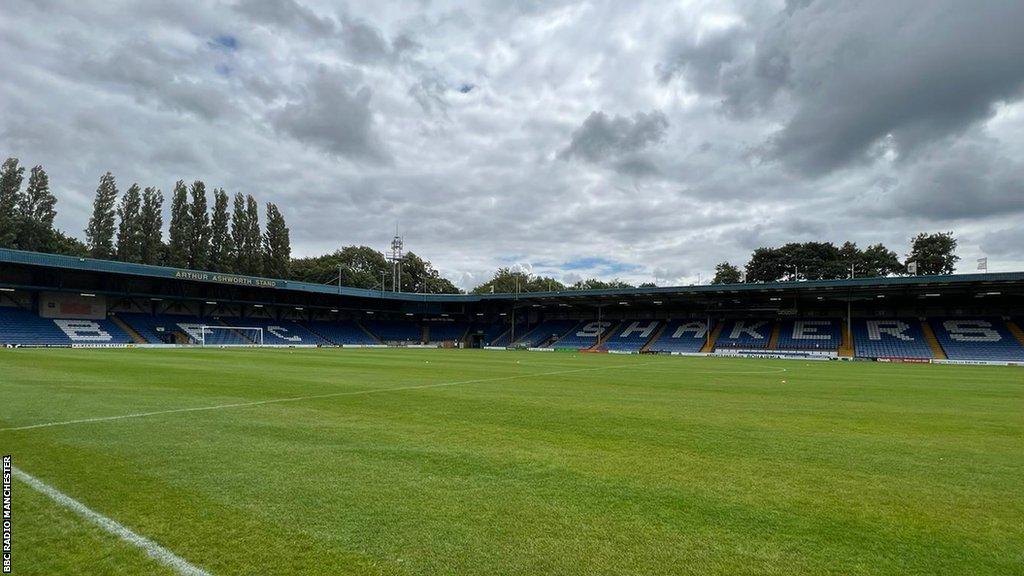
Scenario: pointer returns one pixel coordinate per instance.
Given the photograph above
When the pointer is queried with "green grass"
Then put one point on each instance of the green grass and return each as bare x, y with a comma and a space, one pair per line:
531, 464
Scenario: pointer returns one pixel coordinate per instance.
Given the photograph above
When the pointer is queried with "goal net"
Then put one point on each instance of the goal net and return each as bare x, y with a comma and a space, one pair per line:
230, 336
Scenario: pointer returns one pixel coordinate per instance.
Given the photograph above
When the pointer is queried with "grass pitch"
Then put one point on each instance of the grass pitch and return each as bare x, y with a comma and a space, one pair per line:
475, 462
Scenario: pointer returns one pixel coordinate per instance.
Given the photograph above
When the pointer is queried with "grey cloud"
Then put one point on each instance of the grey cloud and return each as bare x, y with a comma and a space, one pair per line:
333, 114
857, 73
913, 71
289, 14
350, 163
167, 78
1003, 242
961, 181
601, 137
702, 63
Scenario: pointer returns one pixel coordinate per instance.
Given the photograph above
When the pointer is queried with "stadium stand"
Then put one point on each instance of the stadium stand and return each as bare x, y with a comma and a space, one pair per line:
505, 337
810, 334
976, 339
489, 333
681, 336
746, 333
346, 332
161, 328
631, 335
395, 330
890, 338
20, 327
583, 335
446, 331
280, 332
544, 332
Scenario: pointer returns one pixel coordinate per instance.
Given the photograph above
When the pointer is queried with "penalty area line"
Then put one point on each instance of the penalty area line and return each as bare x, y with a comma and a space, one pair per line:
300, 398
111, 526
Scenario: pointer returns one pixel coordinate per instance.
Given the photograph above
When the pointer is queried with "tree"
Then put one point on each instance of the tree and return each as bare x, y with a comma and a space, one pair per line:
277, 249
507, 281
934, 253
726, 273
359, 267
253, 238
129, 230
198, 239
766, 265
179, 232
222, 249
100, 233
37, 209
877, 260
151, 222
239, 235
68, 245
11, 176
595, 284
419, 276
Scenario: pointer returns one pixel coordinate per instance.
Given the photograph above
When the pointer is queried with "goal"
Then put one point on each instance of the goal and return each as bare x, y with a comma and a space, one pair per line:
230, 336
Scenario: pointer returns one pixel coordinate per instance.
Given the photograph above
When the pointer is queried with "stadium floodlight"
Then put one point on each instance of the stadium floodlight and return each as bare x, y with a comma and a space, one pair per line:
230, 336
87, 295
6, 289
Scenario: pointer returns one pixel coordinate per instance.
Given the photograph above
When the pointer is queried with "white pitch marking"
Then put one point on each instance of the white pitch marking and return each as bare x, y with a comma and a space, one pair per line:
152, 549
298, 398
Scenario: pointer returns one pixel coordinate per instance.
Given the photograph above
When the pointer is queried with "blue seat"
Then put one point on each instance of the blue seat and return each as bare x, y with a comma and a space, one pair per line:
21, 327
823, 334
890, 338
745, 333
584, 334
681, 336
631, 335
977, 339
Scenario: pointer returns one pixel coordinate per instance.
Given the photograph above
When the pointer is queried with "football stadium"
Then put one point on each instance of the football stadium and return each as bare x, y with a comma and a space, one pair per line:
512, 288
224, 424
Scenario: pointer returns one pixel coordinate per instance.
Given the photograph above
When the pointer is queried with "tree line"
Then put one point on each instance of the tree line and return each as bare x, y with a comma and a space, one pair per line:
930, 254
129, 227
364, 267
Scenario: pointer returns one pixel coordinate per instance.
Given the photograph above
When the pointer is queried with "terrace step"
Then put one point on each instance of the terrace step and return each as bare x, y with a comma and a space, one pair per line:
846, 348
1016, 331
933, 342
773, 340
606, 335
368, 333
654, 337
709, 346
128, 330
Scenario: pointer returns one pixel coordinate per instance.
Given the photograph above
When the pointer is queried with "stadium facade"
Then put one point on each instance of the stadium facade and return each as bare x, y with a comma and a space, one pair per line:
53, 300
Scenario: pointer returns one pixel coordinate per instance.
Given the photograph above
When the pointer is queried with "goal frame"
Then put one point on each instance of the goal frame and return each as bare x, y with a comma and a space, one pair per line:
203, 328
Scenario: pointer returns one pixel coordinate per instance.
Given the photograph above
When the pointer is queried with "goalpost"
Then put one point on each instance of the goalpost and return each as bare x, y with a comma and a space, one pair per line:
230, 336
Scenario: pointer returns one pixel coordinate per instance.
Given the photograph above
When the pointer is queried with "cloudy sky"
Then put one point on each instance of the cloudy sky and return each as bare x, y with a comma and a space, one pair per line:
646, 141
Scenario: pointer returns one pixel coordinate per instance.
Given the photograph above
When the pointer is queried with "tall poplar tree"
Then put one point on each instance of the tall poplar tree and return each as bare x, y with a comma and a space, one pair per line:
199, 233
253, 238
129, 229
277, 250
239, 234
151, 222
37, 209
100, 233
11, 176
221, 250
180, 228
